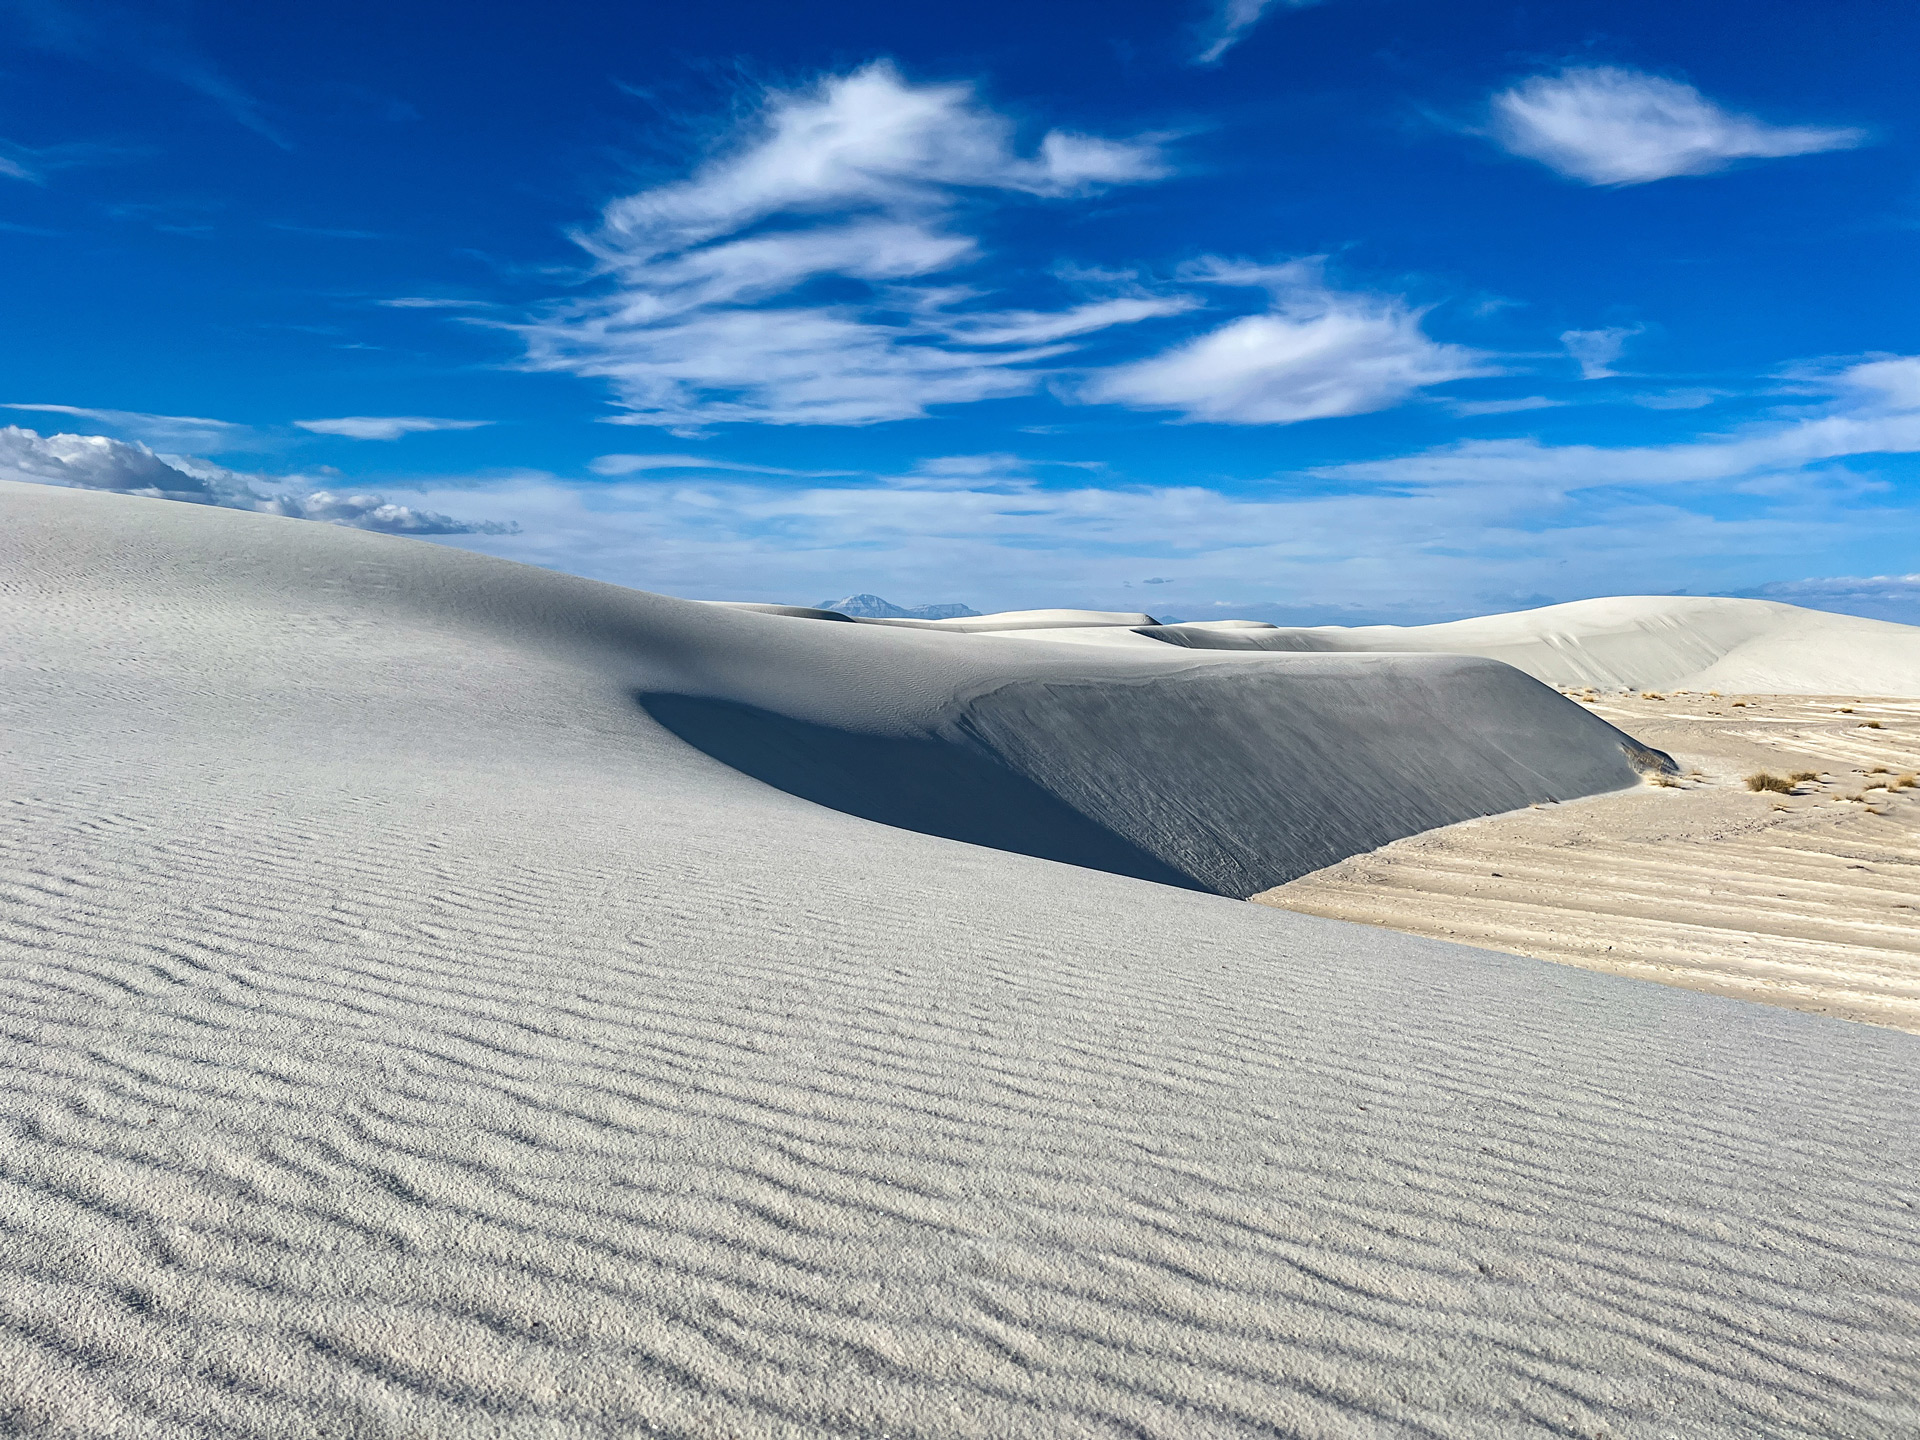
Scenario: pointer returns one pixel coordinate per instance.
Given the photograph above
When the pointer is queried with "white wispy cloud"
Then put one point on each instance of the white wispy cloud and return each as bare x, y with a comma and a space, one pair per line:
1878, 597
791, 279
386, 427
1316, 353
98, 462
640, 464
1874, 410
1231, 21
173, 431
1503, 407
1595, 350
1608, 125
33, 163
98, 30
430, 302
1000, 539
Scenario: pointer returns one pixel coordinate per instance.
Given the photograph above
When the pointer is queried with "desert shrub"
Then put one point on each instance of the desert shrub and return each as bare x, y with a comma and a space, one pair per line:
1664, 781
1905, 780
1651, 695
1871, 725
1800, 775
1766, 780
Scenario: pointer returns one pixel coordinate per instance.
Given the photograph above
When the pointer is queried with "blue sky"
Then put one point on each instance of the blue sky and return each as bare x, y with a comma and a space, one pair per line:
1364, 309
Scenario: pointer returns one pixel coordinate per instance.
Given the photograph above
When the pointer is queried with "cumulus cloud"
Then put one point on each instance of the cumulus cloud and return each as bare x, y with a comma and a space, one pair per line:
96, 462
386, 427
802, 274
1316, 353
1231, 21
1608, 125
375, 512
1595, 350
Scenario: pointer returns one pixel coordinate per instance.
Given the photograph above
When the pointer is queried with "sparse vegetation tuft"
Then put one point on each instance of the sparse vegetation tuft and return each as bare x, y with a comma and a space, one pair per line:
1905, 780
1651, 695
1800, 775
1871, 725
1664, 781
1762, 780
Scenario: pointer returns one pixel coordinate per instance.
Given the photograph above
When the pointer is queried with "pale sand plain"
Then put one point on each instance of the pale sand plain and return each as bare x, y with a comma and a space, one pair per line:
410, 1031
1809, 899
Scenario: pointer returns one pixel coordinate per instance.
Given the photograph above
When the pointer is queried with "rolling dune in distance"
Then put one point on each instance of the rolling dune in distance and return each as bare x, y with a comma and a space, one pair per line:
1634, 642
421, 1021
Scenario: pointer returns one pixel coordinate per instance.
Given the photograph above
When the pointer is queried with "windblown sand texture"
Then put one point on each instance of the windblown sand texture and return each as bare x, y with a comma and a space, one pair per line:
409, 1035
1809, 899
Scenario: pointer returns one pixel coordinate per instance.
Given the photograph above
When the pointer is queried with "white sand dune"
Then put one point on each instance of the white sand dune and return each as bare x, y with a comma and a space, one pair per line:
1637, 641
408, 1034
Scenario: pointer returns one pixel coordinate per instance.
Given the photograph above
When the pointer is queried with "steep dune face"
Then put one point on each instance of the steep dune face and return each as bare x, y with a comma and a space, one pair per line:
1215, 774
1227, 773
1631, 642
405, 1034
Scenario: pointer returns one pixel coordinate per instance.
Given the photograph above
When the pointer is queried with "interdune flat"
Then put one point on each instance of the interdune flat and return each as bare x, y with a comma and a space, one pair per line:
409, 1034
1809, 899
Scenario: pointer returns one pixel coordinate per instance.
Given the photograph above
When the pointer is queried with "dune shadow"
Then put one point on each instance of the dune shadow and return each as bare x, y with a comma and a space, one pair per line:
937, 787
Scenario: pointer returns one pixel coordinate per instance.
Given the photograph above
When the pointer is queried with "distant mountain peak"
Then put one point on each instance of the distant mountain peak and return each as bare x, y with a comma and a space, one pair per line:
872, 607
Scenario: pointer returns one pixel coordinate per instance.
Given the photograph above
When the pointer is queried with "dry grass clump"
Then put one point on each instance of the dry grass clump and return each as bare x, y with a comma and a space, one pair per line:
1762, 780
1651, 695
1845, 710
1664, 780
1905, 780
1871, 725
1800, 775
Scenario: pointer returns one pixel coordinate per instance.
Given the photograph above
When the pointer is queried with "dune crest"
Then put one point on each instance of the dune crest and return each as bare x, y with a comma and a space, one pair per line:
1640, 641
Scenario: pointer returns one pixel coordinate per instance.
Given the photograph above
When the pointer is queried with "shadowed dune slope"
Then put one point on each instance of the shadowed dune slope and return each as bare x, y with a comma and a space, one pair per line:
404, 1034
1696, 642
1224, 773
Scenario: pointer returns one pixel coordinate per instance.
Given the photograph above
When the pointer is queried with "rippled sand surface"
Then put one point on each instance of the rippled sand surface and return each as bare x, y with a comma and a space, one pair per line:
403, 1035
1809, 899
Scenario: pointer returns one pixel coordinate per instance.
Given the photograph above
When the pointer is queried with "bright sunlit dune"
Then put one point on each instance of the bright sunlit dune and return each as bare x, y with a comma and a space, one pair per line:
1628, 641
447, 998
